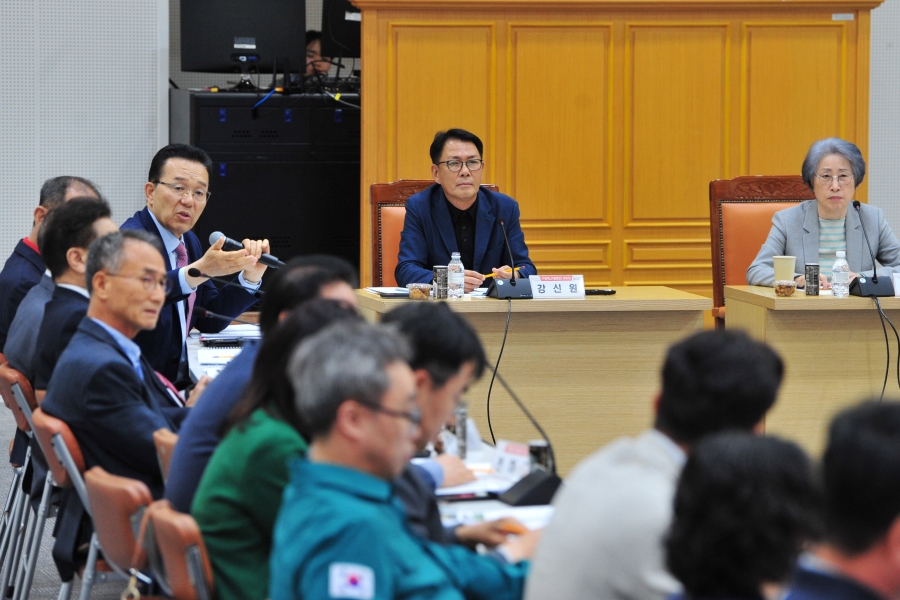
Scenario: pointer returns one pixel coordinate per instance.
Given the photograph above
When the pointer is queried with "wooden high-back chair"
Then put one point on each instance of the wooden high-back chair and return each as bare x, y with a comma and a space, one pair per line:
388, 213
740, 212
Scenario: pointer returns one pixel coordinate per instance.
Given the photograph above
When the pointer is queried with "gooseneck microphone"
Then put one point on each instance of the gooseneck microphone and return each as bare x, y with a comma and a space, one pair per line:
198, 273
868, 244
512, 261
230, 244
208, 313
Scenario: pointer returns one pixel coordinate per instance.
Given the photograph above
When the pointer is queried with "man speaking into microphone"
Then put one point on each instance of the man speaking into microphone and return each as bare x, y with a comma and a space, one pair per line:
177, 191
458, 215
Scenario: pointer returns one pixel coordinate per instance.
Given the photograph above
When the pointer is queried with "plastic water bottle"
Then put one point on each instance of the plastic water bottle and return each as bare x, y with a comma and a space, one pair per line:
456, 277
840, 278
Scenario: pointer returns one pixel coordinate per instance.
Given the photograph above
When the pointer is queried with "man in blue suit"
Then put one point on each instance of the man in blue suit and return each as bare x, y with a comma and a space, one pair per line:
67, 233
457, 215
24, 268
103, 387
177, 193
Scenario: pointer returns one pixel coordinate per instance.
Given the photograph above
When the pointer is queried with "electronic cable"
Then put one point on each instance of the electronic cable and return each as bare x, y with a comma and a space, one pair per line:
497, 366
896, 336
887, 366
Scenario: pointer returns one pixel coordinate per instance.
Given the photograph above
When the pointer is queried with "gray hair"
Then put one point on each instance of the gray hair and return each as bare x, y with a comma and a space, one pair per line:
105, 253
53, 192
826, 147
345, 361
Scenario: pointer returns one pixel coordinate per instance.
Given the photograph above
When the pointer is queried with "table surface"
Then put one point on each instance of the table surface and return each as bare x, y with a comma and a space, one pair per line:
626, 298
766, 298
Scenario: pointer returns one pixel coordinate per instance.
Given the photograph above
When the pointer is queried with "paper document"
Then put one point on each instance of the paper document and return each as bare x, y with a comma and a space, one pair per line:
532, 517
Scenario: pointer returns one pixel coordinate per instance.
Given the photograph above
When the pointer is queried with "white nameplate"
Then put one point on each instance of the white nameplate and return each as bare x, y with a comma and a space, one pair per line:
557, 286
512, 459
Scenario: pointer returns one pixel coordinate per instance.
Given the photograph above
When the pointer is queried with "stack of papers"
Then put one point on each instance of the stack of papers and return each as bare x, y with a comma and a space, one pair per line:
389, 292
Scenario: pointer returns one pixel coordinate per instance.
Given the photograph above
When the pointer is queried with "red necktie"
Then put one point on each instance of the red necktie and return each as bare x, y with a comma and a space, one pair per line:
181, 260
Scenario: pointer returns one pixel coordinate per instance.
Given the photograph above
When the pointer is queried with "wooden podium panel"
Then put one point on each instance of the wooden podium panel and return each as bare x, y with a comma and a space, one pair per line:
606, 119
833, 350
587, 369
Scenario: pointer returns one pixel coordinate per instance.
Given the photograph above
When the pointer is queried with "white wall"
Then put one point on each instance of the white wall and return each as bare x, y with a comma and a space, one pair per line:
884, 112
83, 93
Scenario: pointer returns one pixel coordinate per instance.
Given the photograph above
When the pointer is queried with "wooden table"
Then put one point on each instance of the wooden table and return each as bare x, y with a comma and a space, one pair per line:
587, 369
833, 349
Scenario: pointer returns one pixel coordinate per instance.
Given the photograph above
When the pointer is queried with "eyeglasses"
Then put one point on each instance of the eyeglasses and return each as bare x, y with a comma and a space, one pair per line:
149, 282
842, 178
414, 416
198, 195
455, 166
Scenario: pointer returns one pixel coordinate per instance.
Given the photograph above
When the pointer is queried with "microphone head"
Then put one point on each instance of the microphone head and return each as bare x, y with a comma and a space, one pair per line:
856, 204
214, 237
194, 272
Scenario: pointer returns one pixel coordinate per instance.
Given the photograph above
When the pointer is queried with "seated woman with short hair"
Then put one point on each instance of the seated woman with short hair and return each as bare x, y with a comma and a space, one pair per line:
815, 230
238, 498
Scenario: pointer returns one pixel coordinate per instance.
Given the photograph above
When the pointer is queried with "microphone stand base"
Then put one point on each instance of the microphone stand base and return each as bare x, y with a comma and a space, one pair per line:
864, 286
536, 488
502, 289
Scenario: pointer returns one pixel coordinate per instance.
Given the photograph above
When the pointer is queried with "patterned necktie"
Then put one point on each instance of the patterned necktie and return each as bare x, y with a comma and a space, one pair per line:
181, 260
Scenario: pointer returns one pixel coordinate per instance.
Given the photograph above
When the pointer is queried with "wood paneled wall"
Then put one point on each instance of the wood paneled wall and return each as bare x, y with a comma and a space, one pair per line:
607, 120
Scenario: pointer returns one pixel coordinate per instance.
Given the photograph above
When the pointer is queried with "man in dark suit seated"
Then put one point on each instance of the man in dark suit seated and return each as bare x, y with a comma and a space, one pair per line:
859, 558
24, 268
103, 387
177, 192
67, 233
457, 215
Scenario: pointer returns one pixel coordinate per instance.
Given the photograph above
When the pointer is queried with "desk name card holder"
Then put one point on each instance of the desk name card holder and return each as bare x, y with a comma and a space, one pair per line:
557, 287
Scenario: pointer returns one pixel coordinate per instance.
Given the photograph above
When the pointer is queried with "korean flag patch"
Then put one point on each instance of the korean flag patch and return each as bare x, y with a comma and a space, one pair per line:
348, 580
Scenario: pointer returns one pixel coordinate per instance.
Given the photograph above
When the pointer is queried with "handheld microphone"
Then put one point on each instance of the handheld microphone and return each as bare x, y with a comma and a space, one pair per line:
230, 244
198, 273
868, 244
208, 313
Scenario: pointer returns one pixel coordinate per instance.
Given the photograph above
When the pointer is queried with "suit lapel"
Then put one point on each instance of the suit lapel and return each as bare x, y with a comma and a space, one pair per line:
483, 228
856, 250
811, 234
441, 217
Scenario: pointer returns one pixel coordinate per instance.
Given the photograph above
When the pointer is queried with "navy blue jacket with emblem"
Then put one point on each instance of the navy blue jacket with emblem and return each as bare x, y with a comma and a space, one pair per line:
162, 346
428, 237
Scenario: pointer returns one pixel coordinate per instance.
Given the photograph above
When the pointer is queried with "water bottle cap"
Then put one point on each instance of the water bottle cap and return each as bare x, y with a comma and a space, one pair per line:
841, 254
454, 255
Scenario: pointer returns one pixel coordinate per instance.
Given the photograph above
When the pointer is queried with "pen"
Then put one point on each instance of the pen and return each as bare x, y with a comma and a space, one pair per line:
491, 274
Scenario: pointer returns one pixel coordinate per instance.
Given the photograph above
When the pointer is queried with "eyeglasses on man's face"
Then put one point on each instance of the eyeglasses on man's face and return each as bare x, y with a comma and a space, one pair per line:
199, 195
455, 166
414, 416
148, 281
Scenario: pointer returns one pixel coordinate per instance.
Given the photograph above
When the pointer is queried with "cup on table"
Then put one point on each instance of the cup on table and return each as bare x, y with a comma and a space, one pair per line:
784, 267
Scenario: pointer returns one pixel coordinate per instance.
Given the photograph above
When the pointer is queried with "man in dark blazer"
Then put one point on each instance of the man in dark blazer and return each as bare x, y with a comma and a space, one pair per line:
102, 387
457, 215
24, 268
859, 555
177, 192
67, 233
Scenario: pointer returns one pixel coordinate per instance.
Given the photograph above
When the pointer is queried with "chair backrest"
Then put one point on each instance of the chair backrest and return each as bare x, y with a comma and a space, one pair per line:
741, 212
118, 504
165, 442
174, 549
13, 383
47, 429
388, 213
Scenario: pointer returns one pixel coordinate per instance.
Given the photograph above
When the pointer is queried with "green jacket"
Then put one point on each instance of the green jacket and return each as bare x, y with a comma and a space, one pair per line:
342, 534
237, 502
